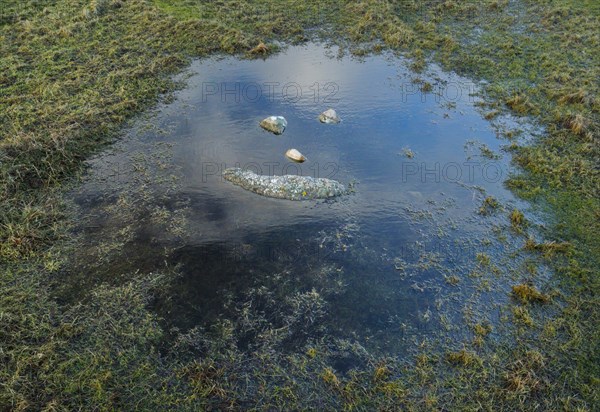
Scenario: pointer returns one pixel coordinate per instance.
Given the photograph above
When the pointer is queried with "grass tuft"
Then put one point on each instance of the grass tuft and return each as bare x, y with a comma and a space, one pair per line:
548, 249
489, 205
463, 358
259, 49
330, 378
523, 376
517, 220
577, 124
526, 293
519, 104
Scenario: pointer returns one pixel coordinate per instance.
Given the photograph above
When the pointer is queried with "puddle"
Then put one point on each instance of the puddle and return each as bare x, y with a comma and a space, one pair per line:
401, 259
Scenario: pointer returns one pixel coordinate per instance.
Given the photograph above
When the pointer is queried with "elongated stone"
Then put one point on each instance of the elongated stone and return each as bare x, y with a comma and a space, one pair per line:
289, 187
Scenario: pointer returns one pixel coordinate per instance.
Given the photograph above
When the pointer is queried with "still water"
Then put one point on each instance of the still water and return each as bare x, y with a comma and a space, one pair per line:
392, 263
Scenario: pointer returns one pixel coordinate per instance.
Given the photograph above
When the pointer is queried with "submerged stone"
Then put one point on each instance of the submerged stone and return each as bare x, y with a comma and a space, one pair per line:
289, 187
329, 116
274, 124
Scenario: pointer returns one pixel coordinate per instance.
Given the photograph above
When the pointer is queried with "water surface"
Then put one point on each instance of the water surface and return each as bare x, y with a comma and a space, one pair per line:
392, 263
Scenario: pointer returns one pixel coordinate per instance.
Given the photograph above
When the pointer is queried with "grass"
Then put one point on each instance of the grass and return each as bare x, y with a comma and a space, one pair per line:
517, 220
463, 358
526, 293
548, 249
72, 72
488, 206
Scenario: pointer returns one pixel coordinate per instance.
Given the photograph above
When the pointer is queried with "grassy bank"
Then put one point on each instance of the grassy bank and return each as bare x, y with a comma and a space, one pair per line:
73, 72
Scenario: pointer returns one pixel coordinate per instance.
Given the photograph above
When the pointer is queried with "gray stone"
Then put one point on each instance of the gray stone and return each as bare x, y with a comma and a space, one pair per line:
285, 187
329, 116
274, 124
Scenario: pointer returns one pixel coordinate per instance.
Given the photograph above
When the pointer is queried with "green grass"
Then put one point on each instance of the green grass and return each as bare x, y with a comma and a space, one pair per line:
73, 72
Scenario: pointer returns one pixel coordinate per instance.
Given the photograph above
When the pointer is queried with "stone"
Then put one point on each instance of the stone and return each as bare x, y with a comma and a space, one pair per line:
288, 187
329, 116
295, 156
274, 124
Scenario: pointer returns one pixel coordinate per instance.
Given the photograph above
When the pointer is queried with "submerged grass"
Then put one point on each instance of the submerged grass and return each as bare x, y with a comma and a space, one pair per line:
72, 72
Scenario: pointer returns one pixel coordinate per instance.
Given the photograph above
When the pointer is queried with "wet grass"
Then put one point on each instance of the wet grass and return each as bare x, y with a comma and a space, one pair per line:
489, 205
73, 72
527, 293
